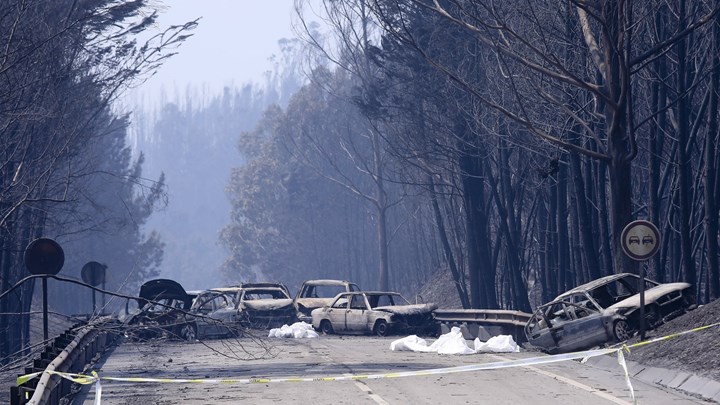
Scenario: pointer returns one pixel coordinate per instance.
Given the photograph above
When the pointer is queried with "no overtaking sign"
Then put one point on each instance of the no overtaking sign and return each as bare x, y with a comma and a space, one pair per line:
640, 240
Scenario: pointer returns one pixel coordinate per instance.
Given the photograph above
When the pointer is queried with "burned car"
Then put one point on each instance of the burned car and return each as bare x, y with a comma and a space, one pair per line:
379, 313
262, 305
162, 305
604, 311
212, 314
315, 294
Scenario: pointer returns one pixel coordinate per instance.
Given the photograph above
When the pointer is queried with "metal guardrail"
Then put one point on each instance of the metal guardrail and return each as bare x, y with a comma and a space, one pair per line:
69, 352
484, 323
488, 316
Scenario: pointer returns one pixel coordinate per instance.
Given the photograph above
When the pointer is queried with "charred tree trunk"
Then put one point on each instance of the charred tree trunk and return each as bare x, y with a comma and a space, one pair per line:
482, 273
684, 164
621, 148
447, 250
508, 228
589, 248
564, 278
711, 172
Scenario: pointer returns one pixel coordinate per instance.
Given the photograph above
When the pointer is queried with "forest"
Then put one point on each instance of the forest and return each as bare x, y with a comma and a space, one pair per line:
496, 148
506, 145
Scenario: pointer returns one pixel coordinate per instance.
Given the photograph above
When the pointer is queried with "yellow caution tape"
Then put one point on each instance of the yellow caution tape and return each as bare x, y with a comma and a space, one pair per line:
584, 355
667, 337
27, 377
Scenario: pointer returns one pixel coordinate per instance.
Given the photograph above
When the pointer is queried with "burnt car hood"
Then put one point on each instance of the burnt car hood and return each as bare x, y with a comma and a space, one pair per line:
414, 309
267, 305
160, 289
651, 295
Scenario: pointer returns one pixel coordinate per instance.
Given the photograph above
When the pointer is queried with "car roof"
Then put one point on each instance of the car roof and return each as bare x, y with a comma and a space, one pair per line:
370, 293
213, 291
195, 292
262, 284
226, 289
327, 282
596, 283
250, 286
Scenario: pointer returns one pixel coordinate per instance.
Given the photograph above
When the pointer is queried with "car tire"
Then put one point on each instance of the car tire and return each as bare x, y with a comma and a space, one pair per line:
622, 330
188, 332
380, 328
326, 327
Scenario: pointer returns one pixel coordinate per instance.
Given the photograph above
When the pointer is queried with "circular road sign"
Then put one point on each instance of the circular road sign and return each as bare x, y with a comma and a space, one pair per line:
44, 256
93, 273
640, 239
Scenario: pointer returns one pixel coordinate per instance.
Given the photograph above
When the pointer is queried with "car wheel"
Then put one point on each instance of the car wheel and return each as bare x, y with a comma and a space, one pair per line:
622, 330
188, 332
381, 328
326, 327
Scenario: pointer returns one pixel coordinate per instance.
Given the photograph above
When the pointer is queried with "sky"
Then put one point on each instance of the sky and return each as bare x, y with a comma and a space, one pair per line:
232, 44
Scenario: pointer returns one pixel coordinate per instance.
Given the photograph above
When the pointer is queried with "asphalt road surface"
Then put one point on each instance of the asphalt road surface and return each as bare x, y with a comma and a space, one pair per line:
568, 382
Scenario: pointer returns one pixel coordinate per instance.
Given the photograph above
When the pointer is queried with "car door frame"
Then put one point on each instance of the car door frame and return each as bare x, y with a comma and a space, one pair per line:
356, 316
336, 314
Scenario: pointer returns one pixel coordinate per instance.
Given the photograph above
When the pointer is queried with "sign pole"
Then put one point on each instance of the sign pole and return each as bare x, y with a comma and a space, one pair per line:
640, 241
45, 308
44, 257
642, 299
93, 273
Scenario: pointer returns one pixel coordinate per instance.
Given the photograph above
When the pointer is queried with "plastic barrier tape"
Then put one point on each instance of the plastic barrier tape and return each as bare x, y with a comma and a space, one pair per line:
584, 355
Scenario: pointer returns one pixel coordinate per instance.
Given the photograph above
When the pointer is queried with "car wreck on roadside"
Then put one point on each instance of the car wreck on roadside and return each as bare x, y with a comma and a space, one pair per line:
605, 311
212, 315
162, 307
315, 294
373, 312
261, 305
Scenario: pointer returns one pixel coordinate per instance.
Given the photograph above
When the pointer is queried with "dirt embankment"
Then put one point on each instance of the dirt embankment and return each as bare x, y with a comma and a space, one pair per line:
696, 352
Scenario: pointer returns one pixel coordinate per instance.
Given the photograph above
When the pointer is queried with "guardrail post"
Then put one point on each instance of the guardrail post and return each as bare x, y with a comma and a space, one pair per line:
14, 395
20, 395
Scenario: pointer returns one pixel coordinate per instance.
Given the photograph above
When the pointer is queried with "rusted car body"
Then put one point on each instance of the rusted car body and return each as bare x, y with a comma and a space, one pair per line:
317, 294
605, 311
262, 305
376, 312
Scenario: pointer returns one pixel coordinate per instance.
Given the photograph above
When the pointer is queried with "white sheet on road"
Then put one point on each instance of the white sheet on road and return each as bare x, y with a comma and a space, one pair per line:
497, 344
298, 330
453, 342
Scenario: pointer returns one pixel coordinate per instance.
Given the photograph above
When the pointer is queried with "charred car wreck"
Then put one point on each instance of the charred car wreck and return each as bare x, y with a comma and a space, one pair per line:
315, 294
379, 313
162, 305
605, 311
262, 305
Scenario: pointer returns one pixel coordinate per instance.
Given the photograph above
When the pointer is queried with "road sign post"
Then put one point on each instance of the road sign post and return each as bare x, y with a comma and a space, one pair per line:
44, 256
93, 273
640, 241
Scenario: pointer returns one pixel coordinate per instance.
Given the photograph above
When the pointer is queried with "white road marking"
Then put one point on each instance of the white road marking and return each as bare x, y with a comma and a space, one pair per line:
375, 397
574, 383
363, 387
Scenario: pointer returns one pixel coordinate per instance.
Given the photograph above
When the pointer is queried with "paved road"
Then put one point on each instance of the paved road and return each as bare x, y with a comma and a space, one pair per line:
562, 383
